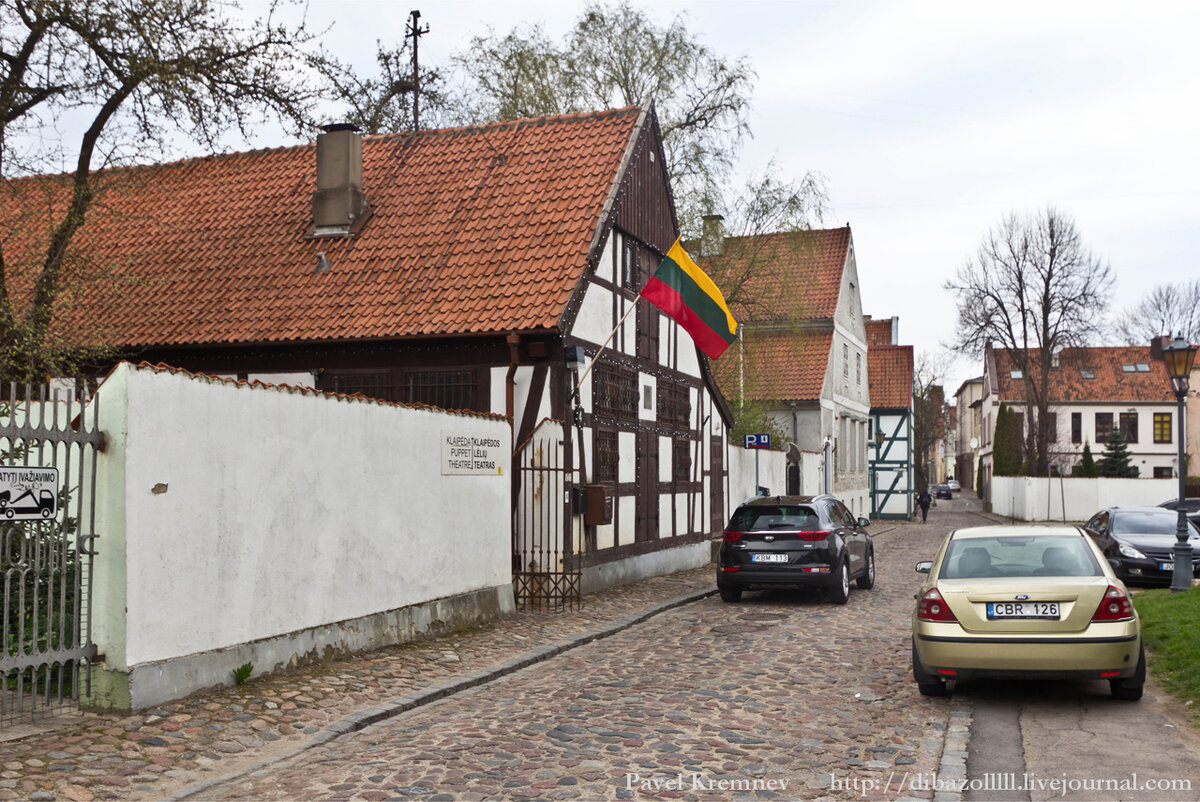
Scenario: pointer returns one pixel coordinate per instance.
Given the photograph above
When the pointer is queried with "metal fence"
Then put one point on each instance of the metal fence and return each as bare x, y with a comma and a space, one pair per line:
546, 574
48, 452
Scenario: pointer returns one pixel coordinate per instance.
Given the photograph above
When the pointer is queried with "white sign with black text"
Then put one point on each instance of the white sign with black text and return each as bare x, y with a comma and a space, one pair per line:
471, 454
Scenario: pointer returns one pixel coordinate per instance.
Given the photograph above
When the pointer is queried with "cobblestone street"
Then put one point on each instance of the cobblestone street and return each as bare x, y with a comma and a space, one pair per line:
810, 699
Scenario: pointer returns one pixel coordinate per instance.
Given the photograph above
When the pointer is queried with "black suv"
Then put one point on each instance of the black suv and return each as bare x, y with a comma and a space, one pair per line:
795, 541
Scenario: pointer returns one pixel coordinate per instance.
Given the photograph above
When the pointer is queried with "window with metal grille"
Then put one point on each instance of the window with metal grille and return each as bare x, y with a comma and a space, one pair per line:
1162, 427
606, 456
674, 405
615, 392
681, 460
448, 389
372, 385
1129, 426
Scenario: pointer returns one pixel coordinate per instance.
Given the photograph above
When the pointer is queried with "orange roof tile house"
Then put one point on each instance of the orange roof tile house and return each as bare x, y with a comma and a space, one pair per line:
459, 268
1092, 392
802, 353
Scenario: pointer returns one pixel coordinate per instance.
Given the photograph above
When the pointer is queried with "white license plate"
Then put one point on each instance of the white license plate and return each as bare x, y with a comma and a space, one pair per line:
1027, 609
1166, 566
768, 558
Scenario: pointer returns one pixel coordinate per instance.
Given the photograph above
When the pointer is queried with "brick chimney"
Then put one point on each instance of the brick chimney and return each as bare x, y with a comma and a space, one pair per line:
339, 200
712, 235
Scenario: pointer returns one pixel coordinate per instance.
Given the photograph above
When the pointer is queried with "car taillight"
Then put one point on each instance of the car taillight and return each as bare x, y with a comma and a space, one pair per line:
1115, 606
932, 607
731, 537
815, 534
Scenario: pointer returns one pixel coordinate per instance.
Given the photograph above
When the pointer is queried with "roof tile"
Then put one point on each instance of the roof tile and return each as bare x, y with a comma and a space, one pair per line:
473, 230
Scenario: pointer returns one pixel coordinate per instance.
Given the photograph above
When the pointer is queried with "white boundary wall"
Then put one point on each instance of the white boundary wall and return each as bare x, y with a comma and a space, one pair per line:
772, 474
251, 523
1031, 498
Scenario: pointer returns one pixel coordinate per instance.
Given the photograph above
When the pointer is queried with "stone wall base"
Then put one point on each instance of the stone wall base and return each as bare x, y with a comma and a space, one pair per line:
148, 684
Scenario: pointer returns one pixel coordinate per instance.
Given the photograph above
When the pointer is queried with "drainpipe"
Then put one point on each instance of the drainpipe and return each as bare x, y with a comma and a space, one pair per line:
510, 383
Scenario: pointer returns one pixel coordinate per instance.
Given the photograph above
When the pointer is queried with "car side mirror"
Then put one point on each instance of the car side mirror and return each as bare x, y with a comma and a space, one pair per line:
925, 566
864, 521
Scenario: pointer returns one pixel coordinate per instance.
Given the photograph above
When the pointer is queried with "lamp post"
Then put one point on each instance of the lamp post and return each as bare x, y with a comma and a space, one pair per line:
1179, 357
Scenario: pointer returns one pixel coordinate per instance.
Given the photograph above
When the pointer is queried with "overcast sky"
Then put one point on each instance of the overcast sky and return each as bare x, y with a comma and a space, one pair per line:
931, 121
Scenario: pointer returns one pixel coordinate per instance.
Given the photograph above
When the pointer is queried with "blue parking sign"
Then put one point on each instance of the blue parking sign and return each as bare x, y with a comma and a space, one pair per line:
757, 441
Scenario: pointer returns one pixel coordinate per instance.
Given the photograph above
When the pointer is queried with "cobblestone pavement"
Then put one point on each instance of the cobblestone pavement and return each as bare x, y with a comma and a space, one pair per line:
782, 687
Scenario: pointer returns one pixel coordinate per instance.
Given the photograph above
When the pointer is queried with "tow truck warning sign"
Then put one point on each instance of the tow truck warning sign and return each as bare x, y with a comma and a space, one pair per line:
28, 493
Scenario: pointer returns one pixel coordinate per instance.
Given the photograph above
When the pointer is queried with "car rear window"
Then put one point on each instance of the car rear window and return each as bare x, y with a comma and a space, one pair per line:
973, 558
1145, 523
784, 516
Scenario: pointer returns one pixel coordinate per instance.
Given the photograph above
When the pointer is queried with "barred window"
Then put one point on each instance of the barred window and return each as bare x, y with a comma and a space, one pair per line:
372, 385
448, 389
681, 460
615, 391
674, 404
606, 456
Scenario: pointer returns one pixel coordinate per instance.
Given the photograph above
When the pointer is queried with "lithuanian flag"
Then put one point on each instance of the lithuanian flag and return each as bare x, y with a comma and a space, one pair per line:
686, 295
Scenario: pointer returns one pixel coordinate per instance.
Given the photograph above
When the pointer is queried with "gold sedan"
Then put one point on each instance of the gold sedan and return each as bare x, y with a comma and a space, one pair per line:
1024, 602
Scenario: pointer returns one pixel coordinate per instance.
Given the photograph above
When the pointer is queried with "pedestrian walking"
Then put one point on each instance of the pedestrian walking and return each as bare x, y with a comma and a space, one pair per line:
923, 501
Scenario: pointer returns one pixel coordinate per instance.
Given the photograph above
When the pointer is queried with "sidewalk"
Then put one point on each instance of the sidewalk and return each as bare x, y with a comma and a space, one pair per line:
179, 749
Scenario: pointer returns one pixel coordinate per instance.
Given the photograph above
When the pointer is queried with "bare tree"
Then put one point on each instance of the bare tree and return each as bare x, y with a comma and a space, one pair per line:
1032, 289
617, 56
383, 103
762, 229
127, 75
931, 417
1165, 309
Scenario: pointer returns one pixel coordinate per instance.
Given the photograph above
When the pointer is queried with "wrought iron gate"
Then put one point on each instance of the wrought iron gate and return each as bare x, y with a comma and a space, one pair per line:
546, 571
46, 562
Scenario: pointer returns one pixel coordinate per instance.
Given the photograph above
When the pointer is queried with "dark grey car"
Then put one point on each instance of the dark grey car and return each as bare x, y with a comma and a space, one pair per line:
795, 541
1141, 541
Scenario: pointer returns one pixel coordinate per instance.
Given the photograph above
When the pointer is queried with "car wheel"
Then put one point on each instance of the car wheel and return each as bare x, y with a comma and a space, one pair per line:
840, 593
867, 580
730, 594
928, 684
1131, 689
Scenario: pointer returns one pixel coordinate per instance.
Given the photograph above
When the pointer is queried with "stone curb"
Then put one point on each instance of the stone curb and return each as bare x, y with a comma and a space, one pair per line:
403, 704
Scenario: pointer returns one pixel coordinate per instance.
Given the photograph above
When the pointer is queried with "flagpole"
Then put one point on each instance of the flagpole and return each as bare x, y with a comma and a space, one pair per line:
604, 344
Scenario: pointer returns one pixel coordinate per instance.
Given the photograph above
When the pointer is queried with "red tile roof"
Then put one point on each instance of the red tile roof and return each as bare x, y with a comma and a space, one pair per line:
782, 276
890, 376
879, 332
1110, 381
473, 230
775, 366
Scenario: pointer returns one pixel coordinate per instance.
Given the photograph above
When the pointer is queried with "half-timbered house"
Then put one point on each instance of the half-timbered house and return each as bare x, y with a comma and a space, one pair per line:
478, 268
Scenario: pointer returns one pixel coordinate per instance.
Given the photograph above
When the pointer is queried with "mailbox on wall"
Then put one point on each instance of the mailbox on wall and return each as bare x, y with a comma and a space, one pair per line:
597, 505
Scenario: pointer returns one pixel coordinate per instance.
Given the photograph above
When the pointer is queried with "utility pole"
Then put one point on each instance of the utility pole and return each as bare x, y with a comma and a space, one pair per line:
415, 31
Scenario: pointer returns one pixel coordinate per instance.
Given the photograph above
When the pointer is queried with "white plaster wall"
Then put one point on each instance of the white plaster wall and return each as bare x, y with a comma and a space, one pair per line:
594, 321
1029, 498
247, 512
772, 474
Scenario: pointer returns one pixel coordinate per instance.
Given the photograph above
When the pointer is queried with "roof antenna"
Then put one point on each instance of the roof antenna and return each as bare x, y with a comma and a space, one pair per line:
415, 31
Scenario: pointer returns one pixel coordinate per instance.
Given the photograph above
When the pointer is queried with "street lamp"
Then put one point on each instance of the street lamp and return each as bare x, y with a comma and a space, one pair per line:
1179, 357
